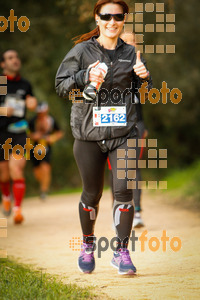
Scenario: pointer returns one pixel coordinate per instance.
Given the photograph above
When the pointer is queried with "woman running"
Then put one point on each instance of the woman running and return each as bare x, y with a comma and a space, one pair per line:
104, 127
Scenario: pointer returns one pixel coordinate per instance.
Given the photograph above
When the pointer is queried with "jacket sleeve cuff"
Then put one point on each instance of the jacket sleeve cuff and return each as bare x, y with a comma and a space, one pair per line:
80, 78
147, 78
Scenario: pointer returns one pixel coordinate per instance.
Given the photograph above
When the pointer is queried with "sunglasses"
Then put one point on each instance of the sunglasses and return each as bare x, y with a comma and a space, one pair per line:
108, 17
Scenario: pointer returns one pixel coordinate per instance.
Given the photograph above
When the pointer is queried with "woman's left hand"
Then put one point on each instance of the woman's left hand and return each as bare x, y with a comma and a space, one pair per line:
139, 67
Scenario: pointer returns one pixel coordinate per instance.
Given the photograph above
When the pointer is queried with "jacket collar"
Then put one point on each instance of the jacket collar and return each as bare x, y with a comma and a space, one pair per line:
93, 39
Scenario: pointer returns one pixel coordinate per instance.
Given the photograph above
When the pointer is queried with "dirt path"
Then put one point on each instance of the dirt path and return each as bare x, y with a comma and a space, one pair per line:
43, 240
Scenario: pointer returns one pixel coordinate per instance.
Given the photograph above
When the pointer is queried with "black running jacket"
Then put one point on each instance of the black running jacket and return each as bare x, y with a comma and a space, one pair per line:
73, 74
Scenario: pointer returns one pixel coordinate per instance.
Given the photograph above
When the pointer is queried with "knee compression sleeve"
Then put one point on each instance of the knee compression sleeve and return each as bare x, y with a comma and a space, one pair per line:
123, 213
88, 216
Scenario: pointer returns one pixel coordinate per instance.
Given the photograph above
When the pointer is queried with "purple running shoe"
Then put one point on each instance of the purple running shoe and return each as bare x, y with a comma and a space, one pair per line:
122, 261
86, 262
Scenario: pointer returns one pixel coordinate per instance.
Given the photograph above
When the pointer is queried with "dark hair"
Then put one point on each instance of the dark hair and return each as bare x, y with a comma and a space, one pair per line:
96, 10
2, 58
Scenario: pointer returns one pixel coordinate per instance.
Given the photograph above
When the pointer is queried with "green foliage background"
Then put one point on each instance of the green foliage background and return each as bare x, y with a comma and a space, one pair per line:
44, 45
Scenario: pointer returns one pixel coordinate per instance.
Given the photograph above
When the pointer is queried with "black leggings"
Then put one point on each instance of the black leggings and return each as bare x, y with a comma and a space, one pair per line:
137, 191
91, 162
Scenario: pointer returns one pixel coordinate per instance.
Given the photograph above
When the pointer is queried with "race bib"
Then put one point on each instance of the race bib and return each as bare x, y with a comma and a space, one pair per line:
109, 116
17, 104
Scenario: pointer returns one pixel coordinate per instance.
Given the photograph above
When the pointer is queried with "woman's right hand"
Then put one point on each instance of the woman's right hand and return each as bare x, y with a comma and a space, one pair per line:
95, 75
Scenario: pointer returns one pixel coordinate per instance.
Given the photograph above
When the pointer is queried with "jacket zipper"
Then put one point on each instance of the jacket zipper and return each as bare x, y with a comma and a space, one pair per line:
111, 84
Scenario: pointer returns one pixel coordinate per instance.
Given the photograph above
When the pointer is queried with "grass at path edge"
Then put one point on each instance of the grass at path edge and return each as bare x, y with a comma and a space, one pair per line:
18, 281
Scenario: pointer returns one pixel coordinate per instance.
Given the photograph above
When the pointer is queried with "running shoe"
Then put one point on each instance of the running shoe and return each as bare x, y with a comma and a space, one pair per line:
18, 217
6, 202
122, 261
86, 262
137, 221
